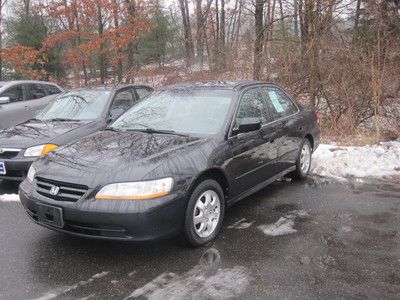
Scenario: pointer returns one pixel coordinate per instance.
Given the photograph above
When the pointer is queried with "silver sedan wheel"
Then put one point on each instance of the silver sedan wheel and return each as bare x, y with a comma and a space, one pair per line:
305, 158
207, 212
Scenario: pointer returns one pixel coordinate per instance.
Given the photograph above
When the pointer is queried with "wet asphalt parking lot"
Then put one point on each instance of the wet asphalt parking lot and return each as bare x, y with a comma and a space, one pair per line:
305, 240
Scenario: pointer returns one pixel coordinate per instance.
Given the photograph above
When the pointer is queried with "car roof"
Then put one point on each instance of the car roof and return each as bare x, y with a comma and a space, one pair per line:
230, 84
111, 87
12, 82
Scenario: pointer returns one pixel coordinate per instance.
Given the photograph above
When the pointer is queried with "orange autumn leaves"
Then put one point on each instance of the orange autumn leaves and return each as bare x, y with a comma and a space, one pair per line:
25, 60
86, 30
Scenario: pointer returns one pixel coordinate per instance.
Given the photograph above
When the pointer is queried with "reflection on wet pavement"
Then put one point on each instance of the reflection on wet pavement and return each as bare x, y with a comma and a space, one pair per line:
344, 242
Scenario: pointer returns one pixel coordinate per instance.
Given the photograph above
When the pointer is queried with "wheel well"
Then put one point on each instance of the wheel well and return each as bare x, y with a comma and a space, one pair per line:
215, 174
310, 139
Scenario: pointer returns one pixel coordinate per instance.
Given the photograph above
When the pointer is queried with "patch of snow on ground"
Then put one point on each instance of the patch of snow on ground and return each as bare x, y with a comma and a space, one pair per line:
376, 161
285, 224
241, 224
56, 293
196, 284
9, 198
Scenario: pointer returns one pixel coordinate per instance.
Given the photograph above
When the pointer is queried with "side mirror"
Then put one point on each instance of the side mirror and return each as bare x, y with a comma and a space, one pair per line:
4, 100
248, 125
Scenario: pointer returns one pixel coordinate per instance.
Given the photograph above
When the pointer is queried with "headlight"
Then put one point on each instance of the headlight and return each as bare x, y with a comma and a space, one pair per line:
31, 174
136, 190
40, 150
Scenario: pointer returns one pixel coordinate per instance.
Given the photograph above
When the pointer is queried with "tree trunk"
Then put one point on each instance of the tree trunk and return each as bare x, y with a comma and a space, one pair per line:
187, 32
295, 18
259, 40
78, 29
222, 54
356, 20
101, 53
133, 63
119, 50
199, 32
283, 30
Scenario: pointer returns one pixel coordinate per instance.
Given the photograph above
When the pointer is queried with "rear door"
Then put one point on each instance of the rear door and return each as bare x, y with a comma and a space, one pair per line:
285, 114
14, 112
254, 153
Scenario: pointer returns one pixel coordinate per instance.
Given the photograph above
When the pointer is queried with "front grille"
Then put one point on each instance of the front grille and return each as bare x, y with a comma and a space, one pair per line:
9, 153
67, 191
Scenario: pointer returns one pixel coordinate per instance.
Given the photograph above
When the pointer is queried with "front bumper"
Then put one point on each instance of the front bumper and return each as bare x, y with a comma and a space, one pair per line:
139, 220
16, 169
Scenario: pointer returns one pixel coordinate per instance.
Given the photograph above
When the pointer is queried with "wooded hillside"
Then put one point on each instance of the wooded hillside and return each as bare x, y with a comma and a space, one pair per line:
340, 56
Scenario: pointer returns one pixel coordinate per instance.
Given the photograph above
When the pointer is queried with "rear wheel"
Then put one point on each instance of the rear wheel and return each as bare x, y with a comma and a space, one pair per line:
204, 213
303, 162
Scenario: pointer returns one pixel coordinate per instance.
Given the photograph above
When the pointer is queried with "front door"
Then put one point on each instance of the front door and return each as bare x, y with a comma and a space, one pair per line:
14, 112
253, 153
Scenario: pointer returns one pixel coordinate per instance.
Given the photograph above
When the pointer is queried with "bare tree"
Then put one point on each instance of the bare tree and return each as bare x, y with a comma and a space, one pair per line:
187, 31
259, 39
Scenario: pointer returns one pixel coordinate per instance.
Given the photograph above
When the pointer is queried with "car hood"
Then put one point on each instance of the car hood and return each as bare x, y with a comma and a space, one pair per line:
33, 133
108, 156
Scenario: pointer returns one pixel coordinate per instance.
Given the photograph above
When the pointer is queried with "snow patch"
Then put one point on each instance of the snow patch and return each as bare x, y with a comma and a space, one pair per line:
241, 224
9, 198
376, 161
196, 284
285, 224
60, 291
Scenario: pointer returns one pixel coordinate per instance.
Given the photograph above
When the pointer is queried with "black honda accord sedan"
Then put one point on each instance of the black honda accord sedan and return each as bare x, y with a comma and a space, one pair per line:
70, 116
174, 162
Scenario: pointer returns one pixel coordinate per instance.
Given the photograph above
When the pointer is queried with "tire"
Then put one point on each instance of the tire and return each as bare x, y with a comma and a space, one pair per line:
302, 167
208, 219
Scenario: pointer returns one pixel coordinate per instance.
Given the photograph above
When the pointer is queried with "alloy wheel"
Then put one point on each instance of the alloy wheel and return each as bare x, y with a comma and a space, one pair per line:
207, 212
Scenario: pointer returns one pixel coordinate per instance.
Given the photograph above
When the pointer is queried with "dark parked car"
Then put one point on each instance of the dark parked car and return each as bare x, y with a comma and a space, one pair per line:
22, 100
68, 117
176, 160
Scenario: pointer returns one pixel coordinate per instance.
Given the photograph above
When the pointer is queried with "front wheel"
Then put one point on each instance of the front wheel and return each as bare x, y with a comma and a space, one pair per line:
204, 213
303, 162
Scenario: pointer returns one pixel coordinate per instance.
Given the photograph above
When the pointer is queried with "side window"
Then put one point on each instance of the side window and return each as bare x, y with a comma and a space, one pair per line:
252, 106
123, 100
52, 89
279, 104
15, 93
36, 91
142, 92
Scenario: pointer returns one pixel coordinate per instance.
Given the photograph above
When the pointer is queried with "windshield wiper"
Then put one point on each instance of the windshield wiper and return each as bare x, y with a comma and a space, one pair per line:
111, 129
34, 120
60, 119
153, 130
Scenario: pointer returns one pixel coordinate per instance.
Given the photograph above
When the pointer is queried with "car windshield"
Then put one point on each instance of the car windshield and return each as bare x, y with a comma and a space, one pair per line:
76, 105
190, 111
